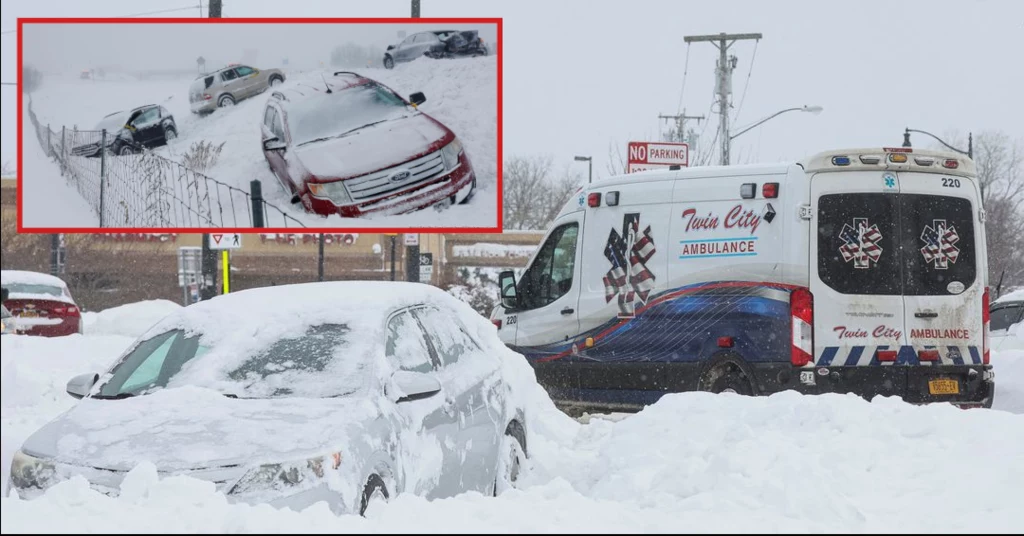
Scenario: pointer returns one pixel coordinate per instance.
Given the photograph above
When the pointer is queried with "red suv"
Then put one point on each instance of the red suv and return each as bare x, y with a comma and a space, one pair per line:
40, 303
354, 147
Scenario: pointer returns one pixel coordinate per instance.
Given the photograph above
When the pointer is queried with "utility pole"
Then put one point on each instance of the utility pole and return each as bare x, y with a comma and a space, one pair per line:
415, 9
320, 260
679, 135
208, 258
726, 64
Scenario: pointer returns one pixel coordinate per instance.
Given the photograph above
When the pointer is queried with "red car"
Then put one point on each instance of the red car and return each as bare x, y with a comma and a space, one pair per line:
354, 147
40, 303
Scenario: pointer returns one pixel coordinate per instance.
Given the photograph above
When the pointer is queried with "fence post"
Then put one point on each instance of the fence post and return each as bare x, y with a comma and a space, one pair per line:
63, 148
103, 171
256, 192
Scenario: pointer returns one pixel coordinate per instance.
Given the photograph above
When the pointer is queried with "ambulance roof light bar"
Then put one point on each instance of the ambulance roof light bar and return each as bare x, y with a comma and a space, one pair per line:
893, 158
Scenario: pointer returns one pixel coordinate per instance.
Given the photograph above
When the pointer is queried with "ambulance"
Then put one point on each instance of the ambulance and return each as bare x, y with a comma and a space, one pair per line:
855, 271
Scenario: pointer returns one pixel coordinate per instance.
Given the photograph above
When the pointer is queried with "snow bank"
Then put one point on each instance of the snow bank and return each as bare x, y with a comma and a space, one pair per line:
493, 250
1009, 368
129, 320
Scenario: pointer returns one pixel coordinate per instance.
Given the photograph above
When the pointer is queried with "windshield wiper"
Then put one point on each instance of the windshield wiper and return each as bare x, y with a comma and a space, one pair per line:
118, 396
347, 132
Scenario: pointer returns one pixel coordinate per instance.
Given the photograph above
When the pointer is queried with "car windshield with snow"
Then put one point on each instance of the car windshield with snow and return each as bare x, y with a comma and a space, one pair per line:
283, 395
355, 147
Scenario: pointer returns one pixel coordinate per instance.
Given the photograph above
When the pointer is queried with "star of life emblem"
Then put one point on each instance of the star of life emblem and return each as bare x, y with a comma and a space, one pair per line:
860, 243
629, 279
940, 247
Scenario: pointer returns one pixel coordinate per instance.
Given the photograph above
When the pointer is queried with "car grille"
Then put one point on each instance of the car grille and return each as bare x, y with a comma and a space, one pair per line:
378, 183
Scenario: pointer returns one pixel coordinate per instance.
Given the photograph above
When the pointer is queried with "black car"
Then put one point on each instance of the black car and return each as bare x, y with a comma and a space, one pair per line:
128, 132
436, 44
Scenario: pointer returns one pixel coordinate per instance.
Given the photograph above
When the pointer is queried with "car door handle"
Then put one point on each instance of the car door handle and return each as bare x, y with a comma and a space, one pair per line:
568, 311
926, 314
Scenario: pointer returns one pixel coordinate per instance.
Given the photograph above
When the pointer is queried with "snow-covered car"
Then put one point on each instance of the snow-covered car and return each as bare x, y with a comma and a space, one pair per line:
8, 326
1006, 322
229, 85
357, 147
435, 44
131, 131
41, 304
344, 392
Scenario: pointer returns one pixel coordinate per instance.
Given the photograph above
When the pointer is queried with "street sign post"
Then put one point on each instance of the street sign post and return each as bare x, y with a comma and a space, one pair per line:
647, 155
426, 267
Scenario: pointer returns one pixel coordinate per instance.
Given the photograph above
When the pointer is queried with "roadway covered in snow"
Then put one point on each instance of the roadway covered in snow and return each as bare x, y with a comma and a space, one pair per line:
461, 93
692, 462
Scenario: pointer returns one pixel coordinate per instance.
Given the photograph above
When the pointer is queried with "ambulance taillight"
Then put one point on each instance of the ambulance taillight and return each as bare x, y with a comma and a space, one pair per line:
985, 317
801, 307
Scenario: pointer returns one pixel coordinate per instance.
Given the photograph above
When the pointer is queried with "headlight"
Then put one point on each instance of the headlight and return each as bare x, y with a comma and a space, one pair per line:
279, 476
451, 153
28, 472
332, 191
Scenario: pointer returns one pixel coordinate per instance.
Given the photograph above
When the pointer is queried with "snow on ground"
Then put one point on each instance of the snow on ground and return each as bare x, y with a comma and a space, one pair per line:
694, 462
129, 320
48, 199
493, 250
461, 93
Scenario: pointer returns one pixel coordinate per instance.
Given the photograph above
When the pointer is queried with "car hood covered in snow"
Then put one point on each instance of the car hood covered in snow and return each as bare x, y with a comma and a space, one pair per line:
193, 428
374, 148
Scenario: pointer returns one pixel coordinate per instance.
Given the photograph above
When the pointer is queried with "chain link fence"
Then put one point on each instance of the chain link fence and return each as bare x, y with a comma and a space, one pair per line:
140, 189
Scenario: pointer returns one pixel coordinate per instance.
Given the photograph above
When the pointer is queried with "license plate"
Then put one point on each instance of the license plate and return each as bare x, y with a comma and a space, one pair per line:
29, 314
944, 387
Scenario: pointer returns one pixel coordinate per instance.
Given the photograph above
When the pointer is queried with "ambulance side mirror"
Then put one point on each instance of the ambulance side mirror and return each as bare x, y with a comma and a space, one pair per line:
507, 284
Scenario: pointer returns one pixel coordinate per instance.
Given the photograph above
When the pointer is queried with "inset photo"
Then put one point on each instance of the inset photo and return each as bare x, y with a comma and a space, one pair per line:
235, 124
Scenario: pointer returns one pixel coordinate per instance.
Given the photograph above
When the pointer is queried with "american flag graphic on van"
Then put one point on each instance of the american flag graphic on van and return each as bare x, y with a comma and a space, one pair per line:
940, 244
860, 243
629, 279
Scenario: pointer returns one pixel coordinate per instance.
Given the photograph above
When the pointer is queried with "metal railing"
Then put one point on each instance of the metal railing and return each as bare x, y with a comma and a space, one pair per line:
140, 189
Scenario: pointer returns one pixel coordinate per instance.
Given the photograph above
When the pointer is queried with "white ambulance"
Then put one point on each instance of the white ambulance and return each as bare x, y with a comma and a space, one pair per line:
859, 271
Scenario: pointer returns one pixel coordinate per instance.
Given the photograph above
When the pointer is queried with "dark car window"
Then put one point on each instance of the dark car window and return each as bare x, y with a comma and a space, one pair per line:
446, 333
550, 276
228, 75
269, 116
857, 243
1004, 316
208, 81
147, 116
937, 243
406, 344
244, 70
278, 126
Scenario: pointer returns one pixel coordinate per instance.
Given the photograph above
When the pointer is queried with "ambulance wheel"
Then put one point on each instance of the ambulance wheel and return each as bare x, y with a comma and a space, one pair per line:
728, 378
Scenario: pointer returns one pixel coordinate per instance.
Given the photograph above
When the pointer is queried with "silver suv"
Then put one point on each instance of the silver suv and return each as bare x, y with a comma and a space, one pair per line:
229, 85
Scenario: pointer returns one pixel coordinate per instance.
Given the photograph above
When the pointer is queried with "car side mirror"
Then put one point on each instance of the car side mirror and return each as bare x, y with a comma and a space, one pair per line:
418, 98
273, 144
407, 386
507, 284
391, 47
80, 385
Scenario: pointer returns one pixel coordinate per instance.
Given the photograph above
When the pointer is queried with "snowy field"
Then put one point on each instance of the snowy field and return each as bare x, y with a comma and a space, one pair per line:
461, 93
692, 462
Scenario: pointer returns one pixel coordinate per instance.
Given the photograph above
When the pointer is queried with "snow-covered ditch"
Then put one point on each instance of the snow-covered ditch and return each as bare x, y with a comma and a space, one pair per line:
461, 93
693, 462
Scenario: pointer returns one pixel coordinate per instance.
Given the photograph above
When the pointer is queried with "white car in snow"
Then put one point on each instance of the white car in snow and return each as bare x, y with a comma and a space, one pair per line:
1006, 322
344, 392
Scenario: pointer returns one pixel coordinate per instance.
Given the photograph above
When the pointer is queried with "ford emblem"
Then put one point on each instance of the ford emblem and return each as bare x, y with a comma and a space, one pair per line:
399, 176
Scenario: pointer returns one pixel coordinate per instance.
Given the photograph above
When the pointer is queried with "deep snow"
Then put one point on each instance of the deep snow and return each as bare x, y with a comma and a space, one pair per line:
693, 462
461, 93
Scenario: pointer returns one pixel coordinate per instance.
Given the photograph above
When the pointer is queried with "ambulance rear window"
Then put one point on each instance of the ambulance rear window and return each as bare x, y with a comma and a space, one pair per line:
938, 244
858, 243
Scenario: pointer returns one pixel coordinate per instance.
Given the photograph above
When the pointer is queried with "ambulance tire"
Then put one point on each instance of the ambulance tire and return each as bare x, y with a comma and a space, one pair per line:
733, 382
727, 375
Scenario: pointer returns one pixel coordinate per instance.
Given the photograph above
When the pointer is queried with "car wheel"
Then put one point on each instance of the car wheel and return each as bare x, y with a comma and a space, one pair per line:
389, 62
170, 134
276, 81
511, 458
375, 492
125, 150
225, 101
730, 379
472, 192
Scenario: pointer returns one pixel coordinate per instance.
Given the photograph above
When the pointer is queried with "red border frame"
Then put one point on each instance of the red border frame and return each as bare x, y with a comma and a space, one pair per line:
497, 228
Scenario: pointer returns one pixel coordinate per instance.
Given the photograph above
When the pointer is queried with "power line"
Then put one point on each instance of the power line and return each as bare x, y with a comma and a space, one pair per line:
743, 98
686, 69
171, 10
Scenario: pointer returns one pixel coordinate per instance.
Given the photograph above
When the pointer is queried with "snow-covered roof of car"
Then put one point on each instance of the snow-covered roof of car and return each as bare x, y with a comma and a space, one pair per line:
30, 278
1017, 295
255, 316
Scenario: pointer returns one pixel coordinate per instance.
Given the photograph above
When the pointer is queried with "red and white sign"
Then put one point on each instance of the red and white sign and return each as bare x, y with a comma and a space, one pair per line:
646, 155
226, 241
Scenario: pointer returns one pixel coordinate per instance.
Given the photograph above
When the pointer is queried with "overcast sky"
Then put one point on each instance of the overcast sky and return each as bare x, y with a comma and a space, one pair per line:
583, 74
